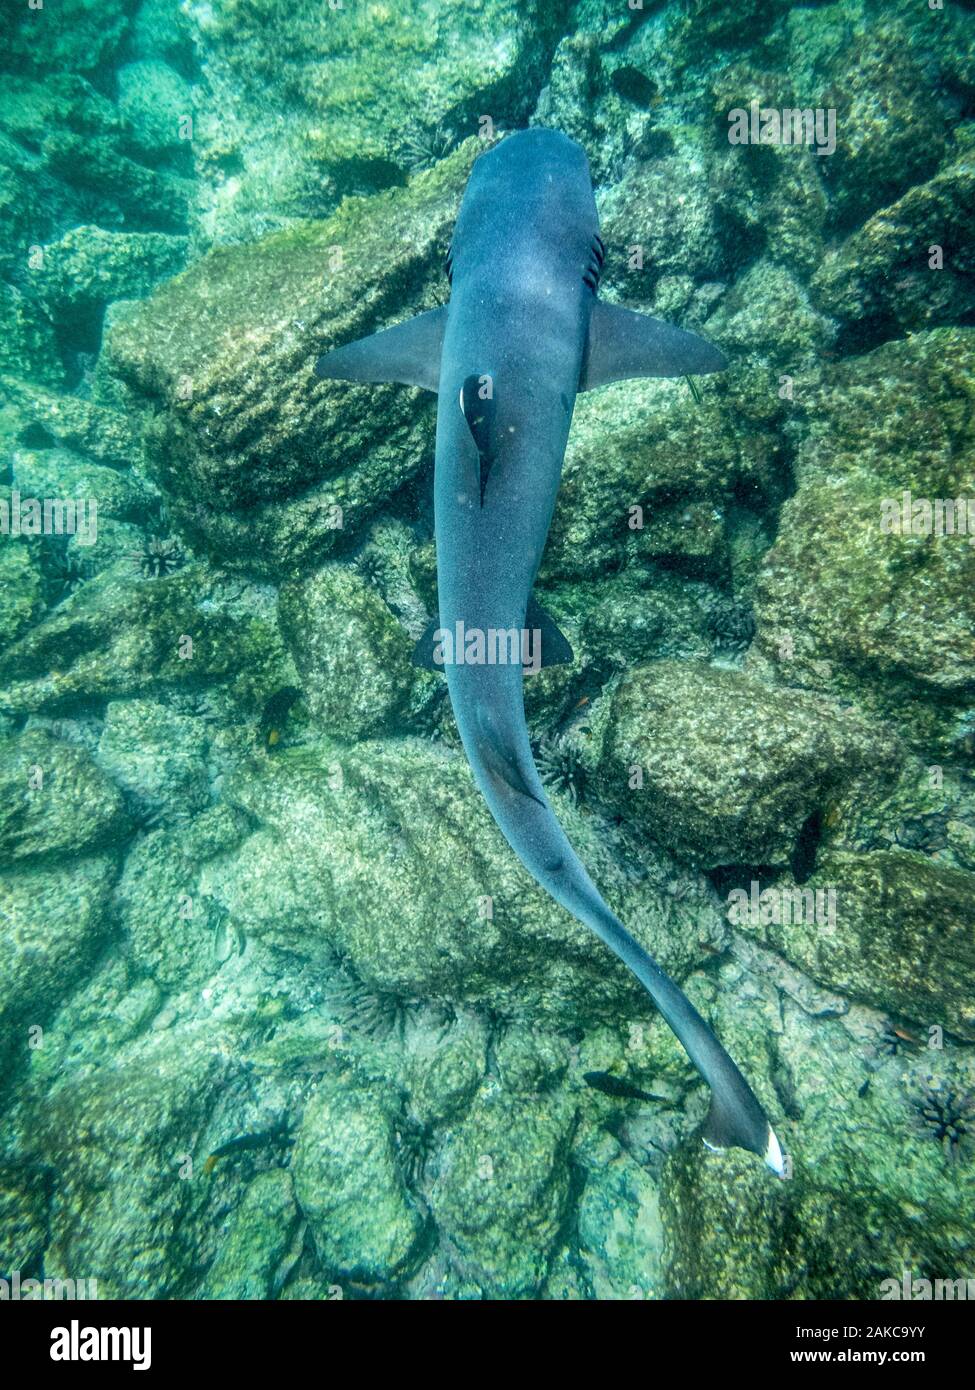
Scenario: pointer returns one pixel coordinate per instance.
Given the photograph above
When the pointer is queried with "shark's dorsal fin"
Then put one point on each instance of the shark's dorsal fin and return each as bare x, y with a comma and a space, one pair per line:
408, 352
625, 344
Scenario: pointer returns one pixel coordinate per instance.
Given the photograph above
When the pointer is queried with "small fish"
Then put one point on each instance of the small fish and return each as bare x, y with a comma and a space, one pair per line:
613, 1086
247, 1141
695, 392
274, 714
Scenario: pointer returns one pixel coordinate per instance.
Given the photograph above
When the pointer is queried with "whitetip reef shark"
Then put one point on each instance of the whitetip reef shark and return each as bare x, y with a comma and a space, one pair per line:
522, 334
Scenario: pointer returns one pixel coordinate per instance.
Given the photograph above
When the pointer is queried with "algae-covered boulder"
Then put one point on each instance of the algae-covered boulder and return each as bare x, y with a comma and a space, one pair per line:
899, 935
344, 833
117, 493
501, 1193
133, 1127
261, 1234
721, 768
910, 266
620, 1230
268, 466
157, 103
313, 102
860, 592
874, 1186
21, 588
104, 434
89, 266
55, 800
350, 1190
73, 36
644, 445
24, 1195
170, 924
157, 756
28, 342
354, 658
116, 637
53, 921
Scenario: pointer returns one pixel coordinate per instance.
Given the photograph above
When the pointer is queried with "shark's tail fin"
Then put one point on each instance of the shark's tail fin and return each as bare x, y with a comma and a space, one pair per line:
736, 1119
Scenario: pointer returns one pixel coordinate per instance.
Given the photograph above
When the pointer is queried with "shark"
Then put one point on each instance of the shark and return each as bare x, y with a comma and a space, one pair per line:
523, 332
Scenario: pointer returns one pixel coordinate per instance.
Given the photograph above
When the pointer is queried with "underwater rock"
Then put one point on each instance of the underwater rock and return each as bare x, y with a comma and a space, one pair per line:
721, 768
53, 922
55, 800
501, 1193
117, 637
640, 444
120, 495
346, 832
445, 1070
132, 1127
24, 1195
158, 757
21, 585
663, 207
308, 104
845, 599
30, 110
863, 1165
620, 1230
630, 618
89, 266
169, 921
893, 126
899, 937
768, 311
148, 199
74, 423
155, 101
267, 467
349, 1188
72, 36
261, 1234
530, 1061
28, 344
354, 659
881, 281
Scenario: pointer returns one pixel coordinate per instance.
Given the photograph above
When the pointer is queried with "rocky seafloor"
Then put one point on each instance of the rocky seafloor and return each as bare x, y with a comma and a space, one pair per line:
281, 1016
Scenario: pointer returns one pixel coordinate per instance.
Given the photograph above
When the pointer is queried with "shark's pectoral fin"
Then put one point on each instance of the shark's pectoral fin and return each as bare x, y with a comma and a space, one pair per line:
625, 344
555, 647
408, 353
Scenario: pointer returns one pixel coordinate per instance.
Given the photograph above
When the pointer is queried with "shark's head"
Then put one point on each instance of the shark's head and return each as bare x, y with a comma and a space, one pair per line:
533, 187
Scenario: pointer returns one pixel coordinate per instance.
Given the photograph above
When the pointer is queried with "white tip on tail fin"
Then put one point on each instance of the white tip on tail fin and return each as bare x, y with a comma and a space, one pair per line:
773, 1155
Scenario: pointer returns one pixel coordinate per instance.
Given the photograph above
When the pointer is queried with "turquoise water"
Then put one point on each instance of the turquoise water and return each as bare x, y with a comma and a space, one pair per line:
281, 1015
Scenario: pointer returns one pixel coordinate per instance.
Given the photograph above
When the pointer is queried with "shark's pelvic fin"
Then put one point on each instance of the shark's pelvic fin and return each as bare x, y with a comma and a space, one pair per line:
408, 353
556, 648
423, 651
624, 344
